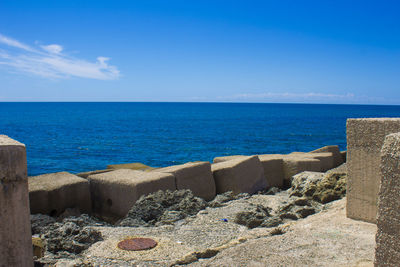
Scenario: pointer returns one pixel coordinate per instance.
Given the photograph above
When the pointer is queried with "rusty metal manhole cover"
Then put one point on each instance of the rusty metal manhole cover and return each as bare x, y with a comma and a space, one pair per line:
135, 244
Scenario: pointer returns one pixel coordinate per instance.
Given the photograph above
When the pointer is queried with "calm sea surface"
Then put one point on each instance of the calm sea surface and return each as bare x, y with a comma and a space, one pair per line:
79, 137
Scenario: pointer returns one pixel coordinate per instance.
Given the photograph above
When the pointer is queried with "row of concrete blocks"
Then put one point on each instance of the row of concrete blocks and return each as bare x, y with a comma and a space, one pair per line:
111, 193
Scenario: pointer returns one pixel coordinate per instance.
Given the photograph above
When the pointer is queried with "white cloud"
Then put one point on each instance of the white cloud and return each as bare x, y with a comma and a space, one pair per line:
14, 43
50, 62
53, 48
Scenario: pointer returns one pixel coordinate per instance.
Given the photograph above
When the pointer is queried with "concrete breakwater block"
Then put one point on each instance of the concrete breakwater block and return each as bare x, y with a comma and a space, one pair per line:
240, 175
271, 163
273, 169
297, 163
388, 217
365, 138
279, 169
196, 176
226, 158
52, 193
132, 166
327, 160
87, 174
15, 230
114, 193
337, 155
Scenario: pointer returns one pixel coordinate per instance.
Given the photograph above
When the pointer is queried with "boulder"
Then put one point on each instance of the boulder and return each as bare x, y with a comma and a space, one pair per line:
115, 192
55, 192
241, 175
337, 156
196, 176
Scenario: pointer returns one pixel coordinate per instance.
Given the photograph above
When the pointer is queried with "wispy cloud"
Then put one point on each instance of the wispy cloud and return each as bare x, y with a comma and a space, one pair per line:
291, 97
51, 62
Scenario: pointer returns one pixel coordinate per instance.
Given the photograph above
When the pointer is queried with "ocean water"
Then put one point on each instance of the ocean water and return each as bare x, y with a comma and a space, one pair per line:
77, 137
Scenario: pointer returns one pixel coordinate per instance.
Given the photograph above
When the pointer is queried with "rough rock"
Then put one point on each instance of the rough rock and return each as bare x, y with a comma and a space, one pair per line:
303, 184
220, 199
163, 207
320, 187
67, 238
254, 217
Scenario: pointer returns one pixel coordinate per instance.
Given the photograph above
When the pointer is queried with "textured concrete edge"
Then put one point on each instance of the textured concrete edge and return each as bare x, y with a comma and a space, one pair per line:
387, 251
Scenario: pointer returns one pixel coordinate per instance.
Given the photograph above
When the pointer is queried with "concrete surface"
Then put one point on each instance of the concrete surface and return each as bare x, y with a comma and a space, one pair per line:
196, 176
114, 193
53, 193
15, 230
388, 218
364, 142
337, 156
240, 175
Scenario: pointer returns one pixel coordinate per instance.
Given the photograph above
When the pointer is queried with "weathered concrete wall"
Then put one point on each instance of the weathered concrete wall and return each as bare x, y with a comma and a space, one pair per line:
365, 138
388, 218
53, 193
196, 176
15, 229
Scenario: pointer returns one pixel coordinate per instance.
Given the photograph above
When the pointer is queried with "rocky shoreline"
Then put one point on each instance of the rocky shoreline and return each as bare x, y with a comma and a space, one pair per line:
77, 239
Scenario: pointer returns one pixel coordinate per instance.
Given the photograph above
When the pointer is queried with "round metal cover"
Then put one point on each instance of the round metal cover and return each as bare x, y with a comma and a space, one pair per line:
135, 244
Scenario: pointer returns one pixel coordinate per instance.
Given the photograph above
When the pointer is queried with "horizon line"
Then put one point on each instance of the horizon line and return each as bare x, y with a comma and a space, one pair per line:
205, 102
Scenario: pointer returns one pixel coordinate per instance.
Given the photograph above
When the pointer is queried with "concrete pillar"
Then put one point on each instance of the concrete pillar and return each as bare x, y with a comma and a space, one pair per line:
365, 138
387, 251
15, 227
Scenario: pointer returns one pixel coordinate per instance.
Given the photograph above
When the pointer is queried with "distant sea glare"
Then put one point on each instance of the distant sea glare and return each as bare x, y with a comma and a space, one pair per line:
78, 137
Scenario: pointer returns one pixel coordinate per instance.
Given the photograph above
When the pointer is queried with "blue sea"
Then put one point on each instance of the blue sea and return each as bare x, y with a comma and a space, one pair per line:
78, 137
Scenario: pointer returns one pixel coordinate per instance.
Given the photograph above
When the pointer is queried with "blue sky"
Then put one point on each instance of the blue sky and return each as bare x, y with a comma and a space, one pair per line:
203, 51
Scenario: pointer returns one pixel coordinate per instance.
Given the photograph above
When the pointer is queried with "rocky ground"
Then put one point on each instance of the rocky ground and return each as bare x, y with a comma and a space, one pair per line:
296, 227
